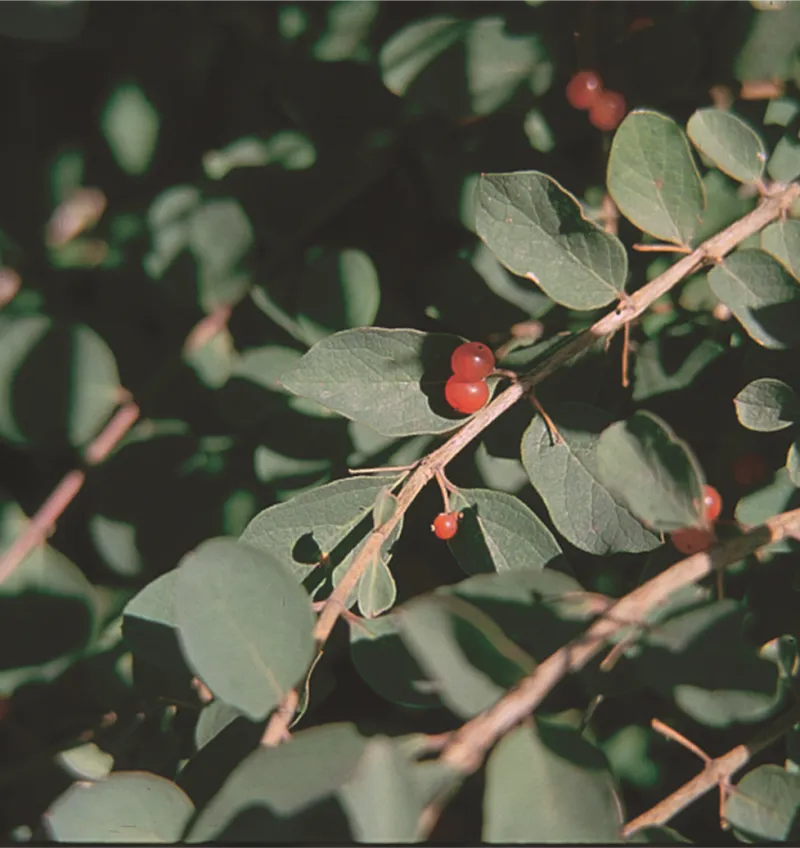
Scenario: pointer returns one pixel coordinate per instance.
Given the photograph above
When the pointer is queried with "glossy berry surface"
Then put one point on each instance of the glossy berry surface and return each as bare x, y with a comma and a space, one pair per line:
466, 396
607, 111
749, 469
693, 540
445, 525
712, 503
584, 89
472, 361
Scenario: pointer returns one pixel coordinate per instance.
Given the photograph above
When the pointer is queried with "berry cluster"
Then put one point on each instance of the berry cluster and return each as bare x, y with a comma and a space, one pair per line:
467, 391
693, 540
606, 108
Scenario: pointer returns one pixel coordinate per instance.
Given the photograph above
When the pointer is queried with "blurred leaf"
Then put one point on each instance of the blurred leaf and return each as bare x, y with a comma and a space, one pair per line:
266, 365
123, 807
765, 805
291, 150
724, 205
382, 800
729, 142
311, 524
779, 495
655, 376
219, 236
377, 590
767, 405
537, 230
700, 657
245, 624
130, 124
214, 361
116, 543
538, 131
793, 462
391, 380
652, 471
339, 289
440, 631
653, 179
86, 762
769, 50
784, 163
462, 67
535, 775
499, 472
278, 794
498, 532
384, 662
213, 719
57, 382
271, 466
761, 295
349, 25
567, 476
781, 240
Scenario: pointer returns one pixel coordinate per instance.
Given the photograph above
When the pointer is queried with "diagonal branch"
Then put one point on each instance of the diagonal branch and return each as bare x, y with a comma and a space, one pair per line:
712, 250
469, 745
717, 772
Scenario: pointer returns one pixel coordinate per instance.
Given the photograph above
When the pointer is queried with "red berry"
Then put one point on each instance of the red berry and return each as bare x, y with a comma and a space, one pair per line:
445, 525
584, 89
693, 540
749, 469
712, 503
472, 361
607, 110
466, 396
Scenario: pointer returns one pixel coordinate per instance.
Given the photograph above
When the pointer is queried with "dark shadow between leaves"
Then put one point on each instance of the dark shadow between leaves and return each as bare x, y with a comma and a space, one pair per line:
780, 320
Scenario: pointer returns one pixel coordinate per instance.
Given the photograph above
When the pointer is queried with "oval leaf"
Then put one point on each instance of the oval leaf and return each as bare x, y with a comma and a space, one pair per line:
391, 380
377, 590
729, 142
766, 805
498, 532
537, 230
767, 405
652, 471
245, 624
566, 475
653, 179
534, 776
124, 807
761, 295
793, 462
781, 239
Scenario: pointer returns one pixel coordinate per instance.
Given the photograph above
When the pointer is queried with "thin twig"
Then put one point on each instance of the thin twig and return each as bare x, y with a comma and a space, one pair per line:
475, 738
675, 736
714, 249
716, 773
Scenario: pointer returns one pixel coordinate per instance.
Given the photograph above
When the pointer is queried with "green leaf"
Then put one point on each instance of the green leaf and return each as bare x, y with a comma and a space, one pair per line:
384, 662
123, 807
347, 33
766, 805
377, 590
220, 235
652, 471
779, 495
729, 142
339, 289
724, 205
781, 239
767, 405
793, 462
534, 778
653, 179
279, 794
462, 650
299, 532
291, 150
382, 800
567, 477
245, 624
537, 230
655, 374
500, 533
130, 124
57, 382
784, 164
391, 380
769, 50
213, 719
761, 295
460, 67
699, 656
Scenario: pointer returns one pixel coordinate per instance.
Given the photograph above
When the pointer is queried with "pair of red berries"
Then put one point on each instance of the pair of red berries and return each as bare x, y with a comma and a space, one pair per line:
606, 108
467, 391
693, 540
